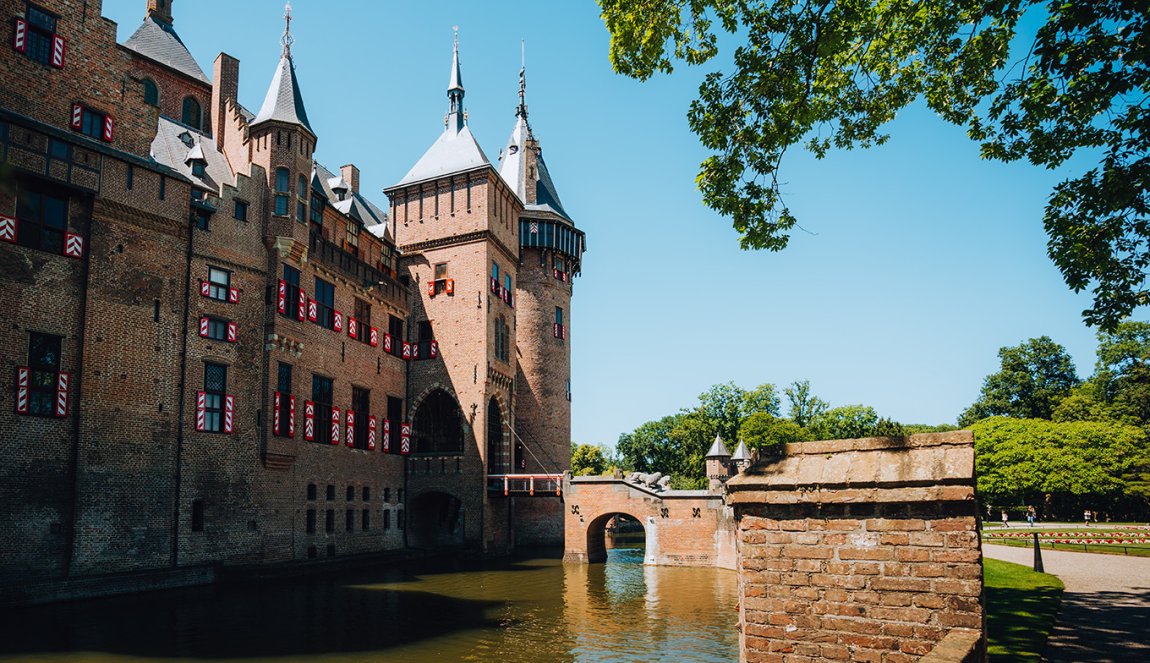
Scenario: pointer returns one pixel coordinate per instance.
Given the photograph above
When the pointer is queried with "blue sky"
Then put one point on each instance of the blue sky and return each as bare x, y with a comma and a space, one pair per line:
921, 260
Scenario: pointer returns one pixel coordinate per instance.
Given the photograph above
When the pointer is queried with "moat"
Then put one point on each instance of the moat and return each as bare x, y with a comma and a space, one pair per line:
516, 610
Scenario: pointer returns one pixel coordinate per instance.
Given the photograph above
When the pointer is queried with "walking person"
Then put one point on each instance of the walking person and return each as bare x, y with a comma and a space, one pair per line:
1086, 517
1030, 515
1005, 519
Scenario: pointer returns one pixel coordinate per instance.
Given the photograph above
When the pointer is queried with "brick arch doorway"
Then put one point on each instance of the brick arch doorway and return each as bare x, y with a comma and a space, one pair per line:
597, 541
436, 520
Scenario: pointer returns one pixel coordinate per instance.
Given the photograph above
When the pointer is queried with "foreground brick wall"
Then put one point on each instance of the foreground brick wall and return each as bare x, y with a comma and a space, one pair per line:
862, 550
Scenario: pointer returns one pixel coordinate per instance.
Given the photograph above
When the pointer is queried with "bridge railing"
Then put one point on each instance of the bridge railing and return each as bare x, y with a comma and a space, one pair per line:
525, 484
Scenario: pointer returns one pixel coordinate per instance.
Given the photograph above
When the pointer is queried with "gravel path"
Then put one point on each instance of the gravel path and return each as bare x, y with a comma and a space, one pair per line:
1105, 612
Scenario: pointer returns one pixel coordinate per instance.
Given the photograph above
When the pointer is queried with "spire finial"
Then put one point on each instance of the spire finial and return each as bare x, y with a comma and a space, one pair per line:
522, 110
456, 116
287, 39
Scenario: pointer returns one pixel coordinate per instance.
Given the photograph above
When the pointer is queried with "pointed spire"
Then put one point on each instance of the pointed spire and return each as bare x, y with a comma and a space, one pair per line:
284, 102
287, 40
456, 118
718, 449
522, 110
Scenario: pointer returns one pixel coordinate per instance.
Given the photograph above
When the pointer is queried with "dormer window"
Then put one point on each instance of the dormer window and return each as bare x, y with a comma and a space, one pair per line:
514, 149
199, 168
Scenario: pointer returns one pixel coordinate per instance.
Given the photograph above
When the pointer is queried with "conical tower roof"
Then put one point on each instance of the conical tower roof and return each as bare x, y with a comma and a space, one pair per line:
718, 449
284, 102
513, 164
742, 452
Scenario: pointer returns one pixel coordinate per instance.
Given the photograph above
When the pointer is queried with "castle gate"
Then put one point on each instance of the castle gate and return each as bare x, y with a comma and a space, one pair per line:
682, 527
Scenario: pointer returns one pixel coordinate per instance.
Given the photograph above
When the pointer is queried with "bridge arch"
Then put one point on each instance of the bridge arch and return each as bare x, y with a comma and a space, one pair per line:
596, 533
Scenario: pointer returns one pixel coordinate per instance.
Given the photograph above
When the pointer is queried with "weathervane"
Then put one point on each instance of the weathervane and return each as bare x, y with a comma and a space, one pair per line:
287, 39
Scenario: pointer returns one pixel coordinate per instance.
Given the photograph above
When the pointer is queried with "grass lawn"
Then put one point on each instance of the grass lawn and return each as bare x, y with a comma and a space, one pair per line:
1020, 610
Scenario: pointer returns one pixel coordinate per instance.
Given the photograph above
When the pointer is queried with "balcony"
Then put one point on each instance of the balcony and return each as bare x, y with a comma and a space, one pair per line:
332, 256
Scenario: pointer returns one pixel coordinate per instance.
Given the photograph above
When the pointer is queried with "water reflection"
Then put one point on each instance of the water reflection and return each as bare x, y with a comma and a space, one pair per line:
526, 610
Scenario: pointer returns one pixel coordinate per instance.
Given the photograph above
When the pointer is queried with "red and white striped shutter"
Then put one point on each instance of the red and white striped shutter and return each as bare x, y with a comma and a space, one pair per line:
276, 413
373, 337
450, 288
406, 350
229, 413
434, 349
203, 327
312, 310
350, 428
431, 288
301, 308
291, 416
201, 411
20, 38
62, 381
387, 342
77, 116
109, 129
335, 425
405, 438
352, 327
23, 376
205, 288
281, 301
233, 295
386, 436
59, 47
494, 285
338, 321
371, 429
231, 332
73, 245
8, 228
309, 421
556, 332
563, 332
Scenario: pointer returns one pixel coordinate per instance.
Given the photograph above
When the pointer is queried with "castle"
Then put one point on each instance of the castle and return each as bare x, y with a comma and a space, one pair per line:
222, 353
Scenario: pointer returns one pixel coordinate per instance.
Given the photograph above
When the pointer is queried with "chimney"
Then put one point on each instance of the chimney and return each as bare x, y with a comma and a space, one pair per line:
225, 85
350, 174
160, 10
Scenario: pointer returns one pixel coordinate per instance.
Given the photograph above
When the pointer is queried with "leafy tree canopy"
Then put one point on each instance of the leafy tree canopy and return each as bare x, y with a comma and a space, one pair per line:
588, 460
1032, 379
845, 422
832, 74
725, 406
804, 405
767, 433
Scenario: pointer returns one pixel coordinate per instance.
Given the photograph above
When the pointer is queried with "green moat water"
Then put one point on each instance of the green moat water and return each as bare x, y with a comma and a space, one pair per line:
523, 610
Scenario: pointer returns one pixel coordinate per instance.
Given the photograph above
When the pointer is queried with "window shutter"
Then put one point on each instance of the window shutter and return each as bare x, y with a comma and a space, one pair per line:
450, 288
201, 411
352, 327
73, 245
59, 46
386, 436
406, 350
281, 302
301, 308
387, 342
373, 337
109, 128
229, 413
8, 229
371, 429
20, 38
233, 295
62, 380
276, 414
23, 377
291, 416
77, 116
431, 288
338, 321
434, 349
335, 426
405, 438
204, 327
231, 332
312, 310
350, 428
205, 288
309, 421
556, 332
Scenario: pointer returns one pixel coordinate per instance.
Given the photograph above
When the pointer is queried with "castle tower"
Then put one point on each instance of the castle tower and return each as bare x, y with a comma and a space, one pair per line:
741, 459
718, 465
455, 222
551, 250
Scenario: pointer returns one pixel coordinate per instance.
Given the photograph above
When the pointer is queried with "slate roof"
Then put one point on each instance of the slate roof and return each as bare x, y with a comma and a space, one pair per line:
176, 145
283, 101
353, 205
158, 41
513, 169
741, 452
451, 153
718, 449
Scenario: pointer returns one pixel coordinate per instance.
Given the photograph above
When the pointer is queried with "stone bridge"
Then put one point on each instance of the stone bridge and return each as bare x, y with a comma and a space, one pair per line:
681, 527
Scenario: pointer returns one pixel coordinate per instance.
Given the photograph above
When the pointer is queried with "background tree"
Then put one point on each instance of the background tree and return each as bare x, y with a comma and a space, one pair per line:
1122, 373
804, 405
845, 422
588, 460
767, 433
725, 406
833, 74
1032, 379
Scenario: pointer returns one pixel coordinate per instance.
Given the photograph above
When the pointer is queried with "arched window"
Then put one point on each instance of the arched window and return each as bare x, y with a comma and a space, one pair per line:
283, 191
496, 449
192, 115
151, 92
438, 425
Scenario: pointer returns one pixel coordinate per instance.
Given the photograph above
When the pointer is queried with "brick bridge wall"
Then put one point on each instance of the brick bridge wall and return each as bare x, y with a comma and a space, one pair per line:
682, 527
862, 550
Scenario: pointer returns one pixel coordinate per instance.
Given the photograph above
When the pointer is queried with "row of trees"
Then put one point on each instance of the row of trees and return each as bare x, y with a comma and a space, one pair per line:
677, 444
1045, 437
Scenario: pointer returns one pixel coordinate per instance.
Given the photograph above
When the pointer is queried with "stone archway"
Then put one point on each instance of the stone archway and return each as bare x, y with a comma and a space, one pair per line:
438, 425
436, 520
596, 533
